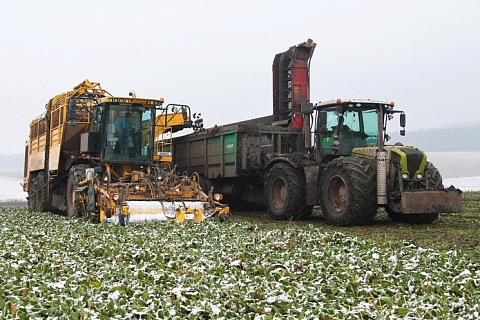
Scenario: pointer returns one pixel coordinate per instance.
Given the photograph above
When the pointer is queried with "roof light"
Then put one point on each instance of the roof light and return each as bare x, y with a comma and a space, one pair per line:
392, 104
339, 100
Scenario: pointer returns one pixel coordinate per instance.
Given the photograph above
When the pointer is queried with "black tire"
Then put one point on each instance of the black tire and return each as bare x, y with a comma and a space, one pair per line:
122, 220
74, 177
31, 195
285, 192
434, 179
205, 184
433, 182
348, 191
36, 201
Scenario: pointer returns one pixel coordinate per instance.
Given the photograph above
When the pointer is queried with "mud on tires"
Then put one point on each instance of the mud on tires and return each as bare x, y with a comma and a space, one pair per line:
36, 201
285, 193
73, 206
348, 191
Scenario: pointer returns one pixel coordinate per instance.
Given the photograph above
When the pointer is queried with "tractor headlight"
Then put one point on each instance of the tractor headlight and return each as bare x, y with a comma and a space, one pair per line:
217, 196
116, 197
137, 187
419, 176
405, 176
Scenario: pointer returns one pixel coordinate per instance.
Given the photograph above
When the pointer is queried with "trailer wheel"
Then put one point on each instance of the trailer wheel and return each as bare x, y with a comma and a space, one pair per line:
73, 205
285, 192
433, 181
348, 191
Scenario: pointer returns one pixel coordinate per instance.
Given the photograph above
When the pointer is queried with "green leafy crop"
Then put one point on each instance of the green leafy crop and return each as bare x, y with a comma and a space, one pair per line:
55, 267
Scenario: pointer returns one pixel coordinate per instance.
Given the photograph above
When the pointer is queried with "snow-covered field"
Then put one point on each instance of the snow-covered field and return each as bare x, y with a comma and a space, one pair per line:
464, 184
11, 188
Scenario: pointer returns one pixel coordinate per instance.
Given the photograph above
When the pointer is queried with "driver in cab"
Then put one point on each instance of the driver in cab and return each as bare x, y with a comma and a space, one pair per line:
124, 129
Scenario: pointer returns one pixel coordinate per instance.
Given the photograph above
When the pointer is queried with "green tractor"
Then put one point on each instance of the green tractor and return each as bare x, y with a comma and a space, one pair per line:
356, 172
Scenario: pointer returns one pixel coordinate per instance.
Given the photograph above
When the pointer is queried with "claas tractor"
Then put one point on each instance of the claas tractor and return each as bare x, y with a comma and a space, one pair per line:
358, 172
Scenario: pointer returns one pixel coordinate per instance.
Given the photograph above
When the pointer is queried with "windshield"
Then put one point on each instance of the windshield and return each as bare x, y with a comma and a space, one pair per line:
129, 134
354, 128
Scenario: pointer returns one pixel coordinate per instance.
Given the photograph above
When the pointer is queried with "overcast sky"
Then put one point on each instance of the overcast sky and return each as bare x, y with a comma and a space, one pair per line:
216, 56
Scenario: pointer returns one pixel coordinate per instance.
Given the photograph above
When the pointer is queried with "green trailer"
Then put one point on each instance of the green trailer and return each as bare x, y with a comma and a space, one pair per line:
233, 158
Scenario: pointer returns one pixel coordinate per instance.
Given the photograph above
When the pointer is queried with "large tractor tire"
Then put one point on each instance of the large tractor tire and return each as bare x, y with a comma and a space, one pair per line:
348, 191
433, 182
76, 174
285, 193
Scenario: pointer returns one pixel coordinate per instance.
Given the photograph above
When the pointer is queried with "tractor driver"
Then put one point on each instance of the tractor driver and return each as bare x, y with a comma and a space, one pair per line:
124, 128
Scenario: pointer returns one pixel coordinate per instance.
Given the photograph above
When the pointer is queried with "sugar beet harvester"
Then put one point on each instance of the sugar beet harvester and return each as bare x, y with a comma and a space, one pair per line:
107, 158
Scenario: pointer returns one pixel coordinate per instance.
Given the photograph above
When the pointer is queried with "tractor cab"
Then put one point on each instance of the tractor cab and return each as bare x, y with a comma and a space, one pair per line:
345, 125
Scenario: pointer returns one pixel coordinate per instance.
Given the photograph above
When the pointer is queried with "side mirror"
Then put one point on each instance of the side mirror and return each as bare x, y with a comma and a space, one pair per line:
306, 108
322, 118
72, 112
403, 120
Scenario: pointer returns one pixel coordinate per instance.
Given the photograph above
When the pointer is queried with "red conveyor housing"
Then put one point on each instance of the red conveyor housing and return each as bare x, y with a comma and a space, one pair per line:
291, 83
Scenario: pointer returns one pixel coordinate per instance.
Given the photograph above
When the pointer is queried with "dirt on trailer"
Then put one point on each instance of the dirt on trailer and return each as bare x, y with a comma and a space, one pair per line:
453, 231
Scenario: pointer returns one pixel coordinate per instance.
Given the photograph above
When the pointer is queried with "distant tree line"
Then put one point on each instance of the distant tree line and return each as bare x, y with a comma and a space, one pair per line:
442, 139
13, 203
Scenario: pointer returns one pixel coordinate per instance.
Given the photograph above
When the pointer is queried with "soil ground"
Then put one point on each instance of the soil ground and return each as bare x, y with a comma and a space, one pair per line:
459, 231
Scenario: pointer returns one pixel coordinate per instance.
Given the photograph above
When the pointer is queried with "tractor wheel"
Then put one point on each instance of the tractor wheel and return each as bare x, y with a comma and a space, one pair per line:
348, 191
434, 179
73, 205
433, 182
285, 192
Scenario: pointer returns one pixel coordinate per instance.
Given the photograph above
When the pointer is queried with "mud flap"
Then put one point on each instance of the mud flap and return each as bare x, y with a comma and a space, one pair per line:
445, 201
91, 199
